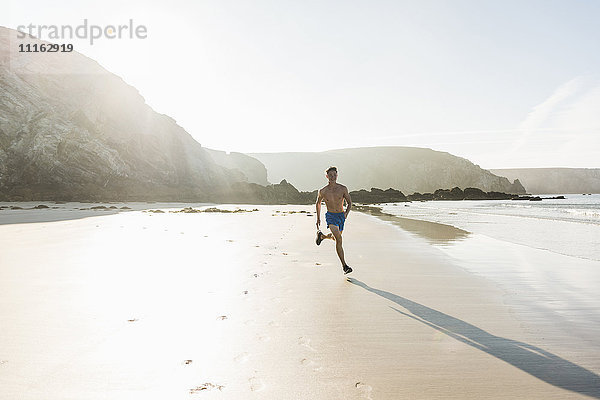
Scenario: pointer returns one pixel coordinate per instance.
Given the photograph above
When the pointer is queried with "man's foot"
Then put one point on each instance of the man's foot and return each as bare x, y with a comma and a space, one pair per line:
319, 237
347, 269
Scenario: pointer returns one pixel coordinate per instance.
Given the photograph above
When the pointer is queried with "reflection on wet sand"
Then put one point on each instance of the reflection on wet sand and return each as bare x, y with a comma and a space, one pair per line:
434, 232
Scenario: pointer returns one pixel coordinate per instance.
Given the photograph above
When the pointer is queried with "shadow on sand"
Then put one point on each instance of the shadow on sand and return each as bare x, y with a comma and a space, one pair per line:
537, 362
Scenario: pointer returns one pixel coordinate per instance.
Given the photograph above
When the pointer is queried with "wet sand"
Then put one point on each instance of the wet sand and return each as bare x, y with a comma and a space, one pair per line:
137, 305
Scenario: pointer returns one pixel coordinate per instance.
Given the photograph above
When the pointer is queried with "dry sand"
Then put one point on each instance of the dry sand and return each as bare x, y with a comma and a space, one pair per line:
245, 306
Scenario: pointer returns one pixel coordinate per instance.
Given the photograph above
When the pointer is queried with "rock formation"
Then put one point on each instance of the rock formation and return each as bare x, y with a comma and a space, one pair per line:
408, 169
555, 180
70, 130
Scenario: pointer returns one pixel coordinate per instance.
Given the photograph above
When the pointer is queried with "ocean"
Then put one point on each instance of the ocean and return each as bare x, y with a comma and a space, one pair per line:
570, 227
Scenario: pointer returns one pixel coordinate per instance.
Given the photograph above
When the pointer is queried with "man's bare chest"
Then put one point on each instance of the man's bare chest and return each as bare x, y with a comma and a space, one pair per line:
333, 195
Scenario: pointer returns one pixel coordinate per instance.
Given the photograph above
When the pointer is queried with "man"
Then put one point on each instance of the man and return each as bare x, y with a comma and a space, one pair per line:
334, 195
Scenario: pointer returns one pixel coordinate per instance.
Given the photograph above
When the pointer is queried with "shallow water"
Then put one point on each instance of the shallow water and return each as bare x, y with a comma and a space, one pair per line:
569, 227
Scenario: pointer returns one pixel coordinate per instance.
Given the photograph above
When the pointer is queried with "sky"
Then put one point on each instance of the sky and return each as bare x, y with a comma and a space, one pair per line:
505, 84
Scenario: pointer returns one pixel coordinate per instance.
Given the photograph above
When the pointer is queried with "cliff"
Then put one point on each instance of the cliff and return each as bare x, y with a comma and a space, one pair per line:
555, 180
71, 130
408, 169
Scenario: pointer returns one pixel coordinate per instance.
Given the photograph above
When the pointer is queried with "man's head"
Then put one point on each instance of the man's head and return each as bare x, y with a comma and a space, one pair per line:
331, 174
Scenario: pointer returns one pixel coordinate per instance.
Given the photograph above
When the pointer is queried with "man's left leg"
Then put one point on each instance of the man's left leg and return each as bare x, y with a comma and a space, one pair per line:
337, 236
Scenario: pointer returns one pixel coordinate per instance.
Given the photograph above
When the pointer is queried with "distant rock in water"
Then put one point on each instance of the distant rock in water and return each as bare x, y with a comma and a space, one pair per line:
394, 196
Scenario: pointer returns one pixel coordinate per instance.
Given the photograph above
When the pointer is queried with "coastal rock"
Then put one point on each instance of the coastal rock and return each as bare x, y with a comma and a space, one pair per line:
445, 194
475, 194
376, 195
420, 196
499, 196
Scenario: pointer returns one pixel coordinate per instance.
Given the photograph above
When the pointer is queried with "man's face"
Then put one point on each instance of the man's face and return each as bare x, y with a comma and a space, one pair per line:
332, 175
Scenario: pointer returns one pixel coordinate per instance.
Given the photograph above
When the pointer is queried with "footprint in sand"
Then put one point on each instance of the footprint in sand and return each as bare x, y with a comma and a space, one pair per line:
264, 337
310, 364
256, 385
306, 343
241, 358
365, 390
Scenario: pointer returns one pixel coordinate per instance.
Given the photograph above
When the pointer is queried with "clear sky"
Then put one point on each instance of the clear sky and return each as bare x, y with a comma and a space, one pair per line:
503, 83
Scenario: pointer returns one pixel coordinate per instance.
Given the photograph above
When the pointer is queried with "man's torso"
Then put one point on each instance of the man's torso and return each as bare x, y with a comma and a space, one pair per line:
334, 198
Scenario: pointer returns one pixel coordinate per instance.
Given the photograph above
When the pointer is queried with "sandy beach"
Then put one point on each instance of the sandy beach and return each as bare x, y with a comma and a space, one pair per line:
139, 305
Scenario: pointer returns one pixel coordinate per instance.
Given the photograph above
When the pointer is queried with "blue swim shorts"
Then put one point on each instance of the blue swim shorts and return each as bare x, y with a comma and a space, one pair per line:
335, 219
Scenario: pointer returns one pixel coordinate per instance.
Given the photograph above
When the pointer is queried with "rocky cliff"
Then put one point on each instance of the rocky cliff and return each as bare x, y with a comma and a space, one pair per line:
253, 169
69, 130
408, 169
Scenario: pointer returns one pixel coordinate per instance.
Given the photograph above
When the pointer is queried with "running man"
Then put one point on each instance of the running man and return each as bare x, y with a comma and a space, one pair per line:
334, 195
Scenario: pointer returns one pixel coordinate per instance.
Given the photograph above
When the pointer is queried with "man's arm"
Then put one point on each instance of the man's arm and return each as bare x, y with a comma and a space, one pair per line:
348, 200
319, 198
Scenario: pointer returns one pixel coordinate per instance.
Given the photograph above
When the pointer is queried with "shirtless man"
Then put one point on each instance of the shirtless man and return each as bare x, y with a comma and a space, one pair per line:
334, 195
